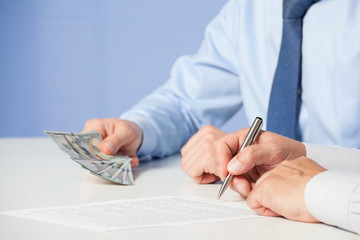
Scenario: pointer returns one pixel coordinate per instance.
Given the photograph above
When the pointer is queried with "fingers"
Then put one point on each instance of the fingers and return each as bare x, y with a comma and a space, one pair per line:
241, 185
197, 165
208, 178
253, 161
119, 136
258, 198
230, 145
134, 162
281, 190
111, 144
269, 151
251, 156
206, 134
95, 124
199, 156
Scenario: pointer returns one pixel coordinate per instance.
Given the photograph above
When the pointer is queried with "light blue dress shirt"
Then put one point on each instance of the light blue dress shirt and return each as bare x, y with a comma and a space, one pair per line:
234, 69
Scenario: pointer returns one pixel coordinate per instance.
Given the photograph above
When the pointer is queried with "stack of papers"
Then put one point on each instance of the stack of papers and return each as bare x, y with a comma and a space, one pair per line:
139, 213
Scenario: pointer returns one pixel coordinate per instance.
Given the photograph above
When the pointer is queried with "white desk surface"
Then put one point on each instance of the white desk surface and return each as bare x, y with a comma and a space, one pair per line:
35, 173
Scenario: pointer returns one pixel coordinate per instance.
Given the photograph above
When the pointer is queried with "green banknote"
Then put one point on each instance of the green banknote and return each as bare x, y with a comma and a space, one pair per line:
83, 149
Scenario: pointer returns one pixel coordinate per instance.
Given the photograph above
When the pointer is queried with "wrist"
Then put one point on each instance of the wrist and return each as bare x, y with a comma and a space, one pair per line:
297, 149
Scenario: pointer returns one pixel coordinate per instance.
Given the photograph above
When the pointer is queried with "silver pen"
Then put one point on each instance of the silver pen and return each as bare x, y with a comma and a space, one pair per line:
250, 139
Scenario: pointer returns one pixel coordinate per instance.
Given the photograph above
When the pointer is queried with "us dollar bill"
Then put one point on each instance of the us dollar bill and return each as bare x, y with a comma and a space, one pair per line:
83, 149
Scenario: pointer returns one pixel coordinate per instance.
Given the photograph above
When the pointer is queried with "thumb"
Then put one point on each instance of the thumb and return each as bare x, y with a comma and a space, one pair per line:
111, 144
249, 157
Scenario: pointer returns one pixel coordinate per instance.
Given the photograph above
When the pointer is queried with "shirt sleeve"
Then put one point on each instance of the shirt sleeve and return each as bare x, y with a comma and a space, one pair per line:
334, 157
202, 89
333, 197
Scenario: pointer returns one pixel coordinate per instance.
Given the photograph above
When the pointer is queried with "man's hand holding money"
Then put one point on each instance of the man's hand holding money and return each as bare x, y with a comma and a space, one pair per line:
120, 136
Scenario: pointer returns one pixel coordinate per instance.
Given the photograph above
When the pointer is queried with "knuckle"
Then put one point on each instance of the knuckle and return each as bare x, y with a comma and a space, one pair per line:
184, 165
207, 128
206, 143
123, 127
303, 158
248, 153
208, 155
197, 179
222, 172
211, 136
97, 120
182, 151
277, 152
190, 173
88, 123
92, 123
185, 148
124, 130
250, 200
209, 139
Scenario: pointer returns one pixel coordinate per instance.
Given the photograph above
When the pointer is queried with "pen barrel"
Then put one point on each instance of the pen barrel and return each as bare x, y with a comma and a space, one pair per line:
225, 184
253, 132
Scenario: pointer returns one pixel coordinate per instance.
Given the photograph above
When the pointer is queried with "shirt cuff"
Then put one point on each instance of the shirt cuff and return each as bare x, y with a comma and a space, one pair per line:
328, 195
334, 157
148, 136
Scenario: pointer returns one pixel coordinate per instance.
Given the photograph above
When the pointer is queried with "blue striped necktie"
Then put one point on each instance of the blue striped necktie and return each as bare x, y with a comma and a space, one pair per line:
285, 99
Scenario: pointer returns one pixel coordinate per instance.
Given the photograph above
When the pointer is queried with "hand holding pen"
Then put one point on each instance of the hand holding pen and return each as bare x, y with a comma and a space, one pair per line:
209, 156
251, 162
250, 139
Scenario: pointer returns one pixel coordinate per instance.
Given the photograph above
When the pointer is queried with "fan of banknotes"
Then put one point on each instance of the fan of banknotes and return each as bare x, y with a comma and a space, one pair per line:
83, 149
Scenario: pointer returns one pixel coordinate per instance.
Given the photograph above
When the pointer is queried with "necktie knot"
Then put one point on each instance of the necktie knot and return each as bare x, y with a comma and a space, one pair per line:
296, 8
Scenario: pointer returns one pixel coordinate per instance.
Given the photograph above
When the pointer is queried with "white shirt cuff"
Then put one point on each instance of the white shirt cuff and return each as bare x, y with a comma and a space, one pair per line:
334, 157
328, 196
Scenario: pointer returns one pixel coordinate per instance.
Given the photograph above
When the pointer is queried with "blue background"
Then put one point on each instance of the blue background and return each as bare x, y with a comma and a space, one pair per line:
65, 61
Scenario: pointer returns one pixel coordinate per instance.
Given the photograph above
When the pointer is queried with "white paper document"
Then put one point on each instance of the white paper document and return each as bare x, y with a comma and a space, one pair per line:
139, 213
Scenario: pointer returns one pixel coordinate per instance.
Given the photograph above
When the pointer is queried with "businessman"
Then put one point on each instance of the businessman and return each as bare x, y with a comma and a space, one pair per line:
236, 68
294, 63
